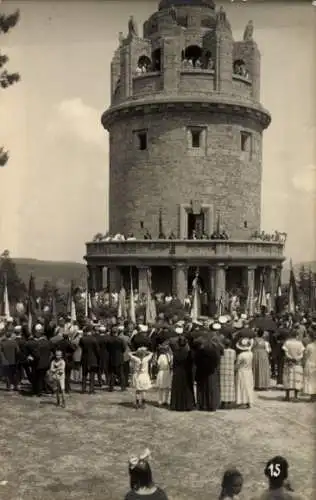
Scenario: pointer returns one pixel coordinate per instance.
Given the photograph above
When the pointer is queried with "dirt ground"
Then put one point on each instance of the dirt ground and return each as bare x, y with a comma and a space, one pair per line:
81, 452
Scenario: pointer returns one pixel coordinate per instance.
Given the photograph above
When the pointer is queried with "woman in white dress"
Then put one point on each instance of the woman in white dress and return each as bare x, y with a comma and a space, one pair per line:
164, 376
141, 378
244, 373
293, 365
310, 366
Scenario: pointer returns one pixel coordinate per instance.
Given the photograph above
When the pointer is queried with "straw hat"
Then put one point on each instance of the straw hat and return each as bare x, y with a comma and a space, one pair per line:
244, 344
216, 326
143, 328
179, 330
243, 316
222, 320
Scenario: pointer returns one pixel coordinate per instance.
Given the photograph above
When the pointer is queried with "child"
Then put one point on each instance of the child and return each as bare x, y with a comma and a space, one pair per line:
164, 376
57, 371
232, 484
141, 378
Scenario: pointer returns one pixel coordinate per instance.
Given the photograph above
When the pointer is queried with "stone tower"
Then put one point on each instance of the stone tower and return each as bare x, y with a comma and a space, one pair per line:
185, 129
191, 124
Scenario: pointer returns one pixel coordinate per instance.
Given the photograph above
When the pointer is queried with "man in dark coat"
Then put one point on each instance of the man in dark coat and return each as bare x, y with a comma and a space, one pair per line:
103, 338
90, 359
9, 351
207, 360
43, 355
68, 349
116, 350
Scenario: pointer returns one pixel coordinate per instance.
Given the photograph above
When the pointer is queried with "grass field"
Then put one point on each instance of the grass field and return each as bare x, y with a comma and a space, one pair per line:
81, 452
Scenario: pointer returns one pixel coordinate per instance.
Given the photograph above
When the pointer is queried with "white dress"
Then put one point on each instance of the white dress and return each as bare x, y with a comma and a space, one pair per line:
244, 379
310, 369
141, 379
164, 376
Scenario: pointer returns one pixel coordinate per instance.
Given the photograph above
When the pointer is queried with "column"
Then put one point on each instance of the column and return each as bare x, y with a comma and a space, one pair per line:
142, 280
114, 279
104, 277
220, 283
181, 282
251, 270
212, 309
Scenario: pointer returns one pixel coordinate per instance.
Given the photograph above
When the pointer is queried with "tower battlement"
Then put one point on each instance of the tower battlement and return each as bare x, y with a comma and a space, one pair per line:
185, 49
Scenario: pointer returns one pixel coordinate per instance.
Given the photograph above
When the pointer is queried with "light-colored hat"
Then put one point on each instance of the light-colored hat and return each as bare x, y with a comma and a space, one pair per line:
243, 316
120, 327
143, 328
216, 326
38, 327
142, 349
238, 324
17, 328
222, 320
228, 317
180, 323
102, 328
179, 330
244, 344
9, 320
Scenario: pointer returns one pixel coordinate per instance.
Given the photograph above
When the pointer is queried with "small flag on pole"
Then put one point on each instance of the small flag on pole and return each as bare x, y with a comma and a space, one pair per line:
132, 312
6, 299
292, 290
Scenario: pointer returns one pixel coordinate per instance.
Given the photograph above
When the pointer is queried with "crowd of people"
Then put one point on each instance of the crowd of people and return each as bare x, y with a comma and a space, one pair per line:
205, 364
218, 234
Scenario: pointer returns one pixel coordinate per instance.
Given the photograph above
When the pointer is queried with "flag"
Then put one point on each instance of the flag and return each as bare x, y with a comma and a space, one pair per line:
54, 307
150, 302
122, 311
292, 298
220, 307
71, 306
31, 303
88, 305
132, 313
250, 301
196, 306
262, 294
6, 302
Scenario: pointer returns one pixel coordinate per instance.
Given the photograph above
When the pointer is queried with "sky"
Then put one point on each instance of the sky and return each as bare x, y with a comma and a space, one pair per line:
54, 190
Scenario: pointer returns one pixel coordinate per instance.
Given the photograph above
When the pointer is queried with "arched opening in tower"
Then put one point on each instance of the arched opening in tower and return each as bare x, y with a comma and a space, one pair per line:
240, 68
144, 64
193, 55
156, 60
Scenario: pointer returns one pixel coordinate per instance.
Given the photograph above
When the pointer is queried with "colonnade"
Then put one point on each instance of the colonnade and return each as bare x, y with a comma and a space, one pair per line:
112, 279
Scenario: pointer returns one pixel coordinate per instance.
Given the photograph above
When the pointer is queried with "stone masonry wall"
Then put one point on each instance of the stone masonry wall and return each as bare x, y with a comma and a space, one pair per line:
169, 173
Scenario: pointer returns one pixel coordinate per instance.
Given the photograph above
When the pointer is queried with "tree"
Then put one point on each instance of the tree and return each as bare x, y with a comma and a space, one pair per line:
6, 78
16, 287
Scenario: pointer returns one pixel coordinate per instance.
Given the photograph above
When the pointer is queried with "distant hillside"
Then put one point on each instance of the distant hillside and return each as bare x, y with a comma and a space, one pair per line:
296, 267
60, 273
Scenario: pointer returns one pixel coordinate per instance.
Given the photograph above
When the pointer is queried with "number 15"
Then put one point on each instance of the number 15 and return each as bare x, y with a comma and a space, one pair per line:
275, 470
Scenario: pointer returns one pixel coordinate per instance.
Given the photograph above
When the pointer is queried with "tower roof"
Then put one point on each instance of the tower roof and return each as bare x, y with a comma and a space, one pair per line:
167, 4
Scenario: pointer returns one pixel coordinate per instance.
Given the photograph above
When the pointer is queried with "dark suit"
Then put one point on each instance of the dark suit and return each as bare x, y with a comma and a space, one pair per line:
90, 359
9, 351
103, 339
43, 354
116, 350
